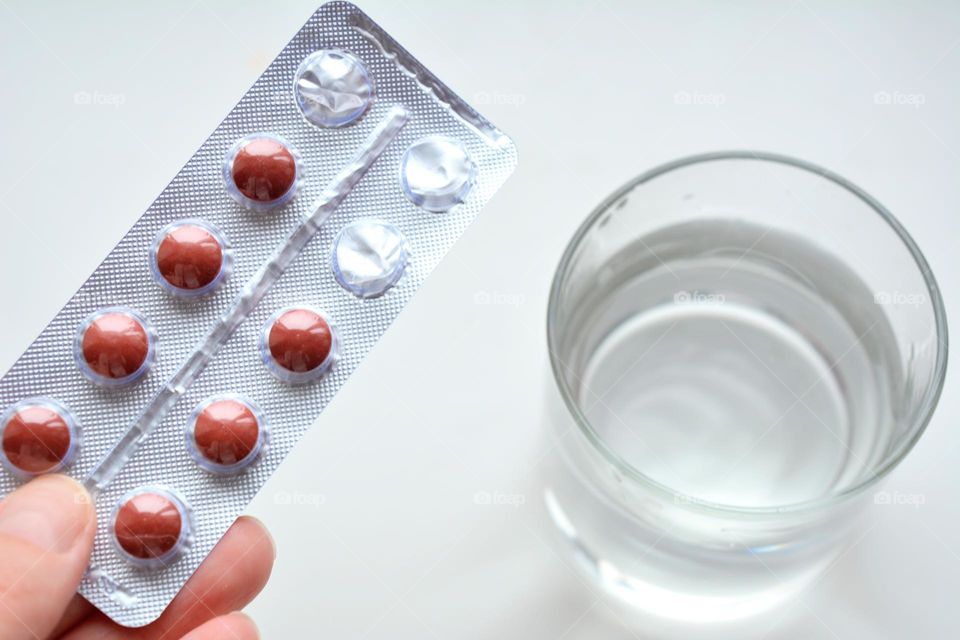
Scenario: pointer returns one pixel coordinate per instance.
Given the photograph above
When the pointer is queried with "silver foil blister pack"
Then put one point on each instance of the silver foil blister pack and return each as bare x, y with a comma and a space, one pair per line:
212, 337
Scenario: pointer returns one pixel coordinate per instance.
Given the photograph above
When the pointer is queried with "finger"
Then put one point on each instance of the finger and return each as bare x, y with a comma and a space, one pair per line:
78, 609
234, 626
46, 534
232, 575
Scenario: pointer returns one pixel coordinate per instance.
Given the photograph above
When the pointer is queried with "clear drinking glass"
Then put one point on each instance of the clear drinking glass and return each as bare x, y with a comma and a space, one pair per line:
743, 344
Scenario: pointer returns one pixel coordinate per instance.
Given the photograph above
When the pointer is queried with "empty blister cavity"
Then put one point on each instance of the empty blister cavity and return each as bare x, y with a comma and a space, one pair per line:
369, 257
115, 347
226, 434
332, 88
299, 345
151, 526
190, 258
262, 172
437, 173
38, 436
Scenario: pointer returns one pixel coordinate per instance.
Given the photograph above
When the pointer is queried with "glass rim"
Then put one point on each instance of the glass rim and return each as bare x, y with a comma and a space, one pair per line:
930, 398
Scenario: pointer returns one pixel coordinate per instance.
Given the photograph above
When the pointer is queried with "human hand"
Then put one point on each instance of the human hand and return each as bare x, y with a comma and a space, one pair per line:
46, 534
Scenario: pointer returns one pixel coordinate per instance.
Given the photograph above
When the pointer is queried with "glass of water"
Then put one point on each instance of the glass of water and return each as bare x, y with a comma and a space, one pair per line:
743, 344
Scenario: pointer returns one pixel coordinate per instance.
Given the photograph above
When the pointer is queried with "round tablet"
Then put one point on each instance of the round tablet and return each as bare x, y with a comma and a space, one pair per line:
299, 345
436, 173
369, 257
150, 526
190, 258
332, 88
38, 436
262, 172
115, 347
226, 434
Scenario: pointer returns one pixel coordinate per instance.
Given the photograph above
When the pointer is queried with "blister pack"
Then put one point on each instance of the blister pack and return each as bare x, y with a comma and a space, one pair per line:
211, 338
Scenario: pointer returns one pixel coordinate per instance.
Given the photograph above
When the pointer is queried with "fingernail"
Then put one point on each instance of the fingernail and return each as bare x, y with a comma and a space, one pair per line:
50, 512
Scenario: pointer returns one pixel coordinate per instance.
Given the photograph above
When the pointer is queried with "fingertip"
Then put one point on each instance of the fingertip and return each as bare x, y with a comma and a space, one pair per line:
46, 532
62, 488
64, 485
228, 579
58, 485
236, 625
243, 624
259, 531
54, 512
250, 538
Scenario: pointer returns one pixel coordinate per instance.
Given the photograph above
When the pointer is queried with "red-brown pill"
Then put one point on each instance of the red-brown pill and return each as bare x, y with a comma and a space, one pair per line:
264, 170
115, 345
37, 439
300, 340
226, 432
189, 257
148, 525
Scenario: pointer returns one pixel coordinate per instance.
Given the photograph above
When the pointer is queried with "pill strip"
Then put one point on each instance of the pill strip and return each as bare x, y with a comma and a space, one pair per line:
249, 298
347, 282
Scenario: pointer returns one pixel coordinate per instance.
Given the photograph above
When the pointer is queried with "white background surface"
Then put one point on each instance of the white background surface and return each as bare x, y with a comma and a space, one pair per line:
383, 537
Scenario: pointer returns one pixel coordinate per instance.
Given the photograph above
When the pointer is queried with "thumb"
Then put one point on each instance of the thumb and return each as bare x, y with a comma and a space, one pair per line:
46, 534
